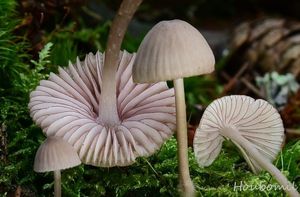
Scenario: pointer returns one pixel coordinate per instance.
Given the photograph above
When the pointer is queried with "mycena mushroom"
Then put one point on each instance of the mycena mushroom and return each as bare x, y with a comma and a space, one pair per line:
254, 126
67, 106
95, 106
55, 155
172, 50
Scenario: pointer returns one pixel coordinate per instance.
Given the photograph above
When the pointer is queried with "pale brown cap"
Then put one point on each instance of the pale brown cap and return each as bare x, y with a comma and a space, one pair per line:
171, 50
55, 154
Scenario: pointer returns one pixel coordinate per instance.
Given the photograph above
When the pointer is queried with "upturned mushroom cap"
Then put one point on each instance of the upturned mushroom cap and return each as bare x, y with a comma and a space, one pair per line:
55, 154
66, 105
256, 120
171, 50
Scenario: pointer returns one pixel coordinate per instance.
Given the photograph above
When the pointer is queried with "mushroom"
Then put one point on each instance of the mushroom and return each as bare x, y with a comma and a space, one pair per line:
55, 155
67, 106
172, 50
95, 106
254, 126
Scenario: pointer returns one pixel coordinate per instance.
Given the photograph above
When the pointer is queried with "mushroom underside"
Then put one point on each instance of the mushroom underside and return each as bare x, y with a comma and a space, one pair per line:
256, 120
67, 106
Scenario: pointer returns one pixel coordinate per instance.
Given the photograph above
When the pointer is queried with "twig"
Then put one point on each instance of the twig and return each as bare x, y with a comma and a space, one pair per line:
293, 131
252, 87
225, 75
292, 134
91, 13
234, 80
151, 166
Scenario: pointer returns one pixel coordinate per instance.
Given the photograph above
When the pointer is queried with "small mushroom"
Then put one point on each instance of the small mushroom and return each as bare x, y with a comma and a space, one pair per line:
55, 155
172, 50
254, 126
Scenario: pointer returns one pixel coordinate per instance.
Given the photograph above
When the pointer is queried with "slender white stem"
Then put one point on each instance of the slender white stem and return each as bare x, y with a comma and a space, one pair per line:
186, 184
57, 183
233, 134
108, 111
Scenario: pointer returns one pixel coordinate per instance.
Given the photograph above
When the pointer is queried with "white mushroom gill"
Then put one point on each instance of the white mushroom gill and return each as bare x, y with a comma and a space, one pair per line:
254, 126
256, 120
67, 105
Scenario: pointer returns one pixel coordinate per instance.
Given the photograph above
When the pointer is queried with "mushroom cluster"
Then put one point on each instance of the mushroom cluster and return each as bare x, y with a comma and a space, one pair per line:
94, 112
254, 126
67, 106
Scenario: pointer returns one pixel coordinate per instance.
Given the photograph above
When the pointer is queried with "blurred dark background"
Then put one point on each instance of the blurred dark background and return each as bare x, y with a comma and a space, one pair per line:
215, 17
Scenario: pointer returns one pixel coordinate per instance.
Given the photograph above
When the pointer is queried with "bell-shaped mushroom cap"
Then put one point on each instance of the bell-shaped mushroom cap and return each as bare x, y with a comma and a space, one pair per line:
171, 50
55, 154
256, 120
66, 105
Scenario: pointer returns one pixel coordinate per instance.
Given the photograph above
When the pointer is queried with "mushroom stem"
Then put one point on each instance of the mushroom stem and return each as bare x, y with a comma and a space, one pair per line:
108, 112
57, 183
186, 184
235, 136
